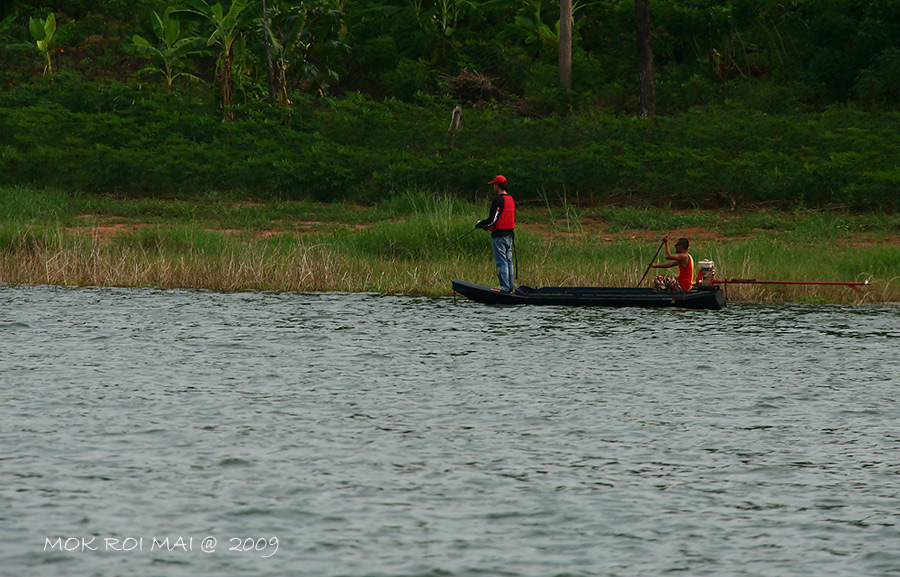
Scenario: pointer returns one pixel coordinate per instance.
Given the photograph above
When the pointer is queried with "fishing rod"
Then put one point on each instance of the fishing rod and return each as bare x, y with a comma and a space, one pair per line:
854, 285
465, 235
515, 259
651, 262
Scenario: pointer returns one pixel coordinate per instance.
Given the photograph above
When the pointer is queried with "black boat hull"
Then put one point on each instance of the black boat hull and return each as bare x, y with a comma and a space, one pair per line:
711, 298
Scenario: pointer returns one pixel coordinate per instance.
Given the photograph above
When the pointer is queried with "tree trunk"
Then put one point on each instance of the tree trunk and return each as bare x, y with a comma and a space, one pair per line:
565, 43
281, 84
646, 78
270, 71
227, 97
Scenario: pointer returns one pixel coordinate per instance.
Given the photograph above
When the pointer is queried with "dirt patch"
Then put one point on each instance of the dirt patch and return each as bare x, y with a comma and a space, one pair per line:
593, 231
586, 230
106, 228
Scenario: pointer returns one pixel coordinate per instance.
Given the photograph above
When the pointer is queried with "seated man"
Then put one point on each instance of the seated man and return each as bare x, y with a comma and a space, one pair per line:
683, 261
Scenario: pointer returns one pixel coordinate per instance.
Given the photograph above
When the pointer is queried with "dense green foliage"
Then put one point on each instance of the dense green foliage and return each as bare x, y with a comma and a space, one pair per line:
116, 138
814, 52
791, 103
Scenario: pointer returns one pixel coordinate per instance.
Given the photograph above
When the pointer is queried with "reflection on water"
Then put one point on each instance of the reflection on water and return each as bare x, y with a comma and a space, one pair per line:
348, 434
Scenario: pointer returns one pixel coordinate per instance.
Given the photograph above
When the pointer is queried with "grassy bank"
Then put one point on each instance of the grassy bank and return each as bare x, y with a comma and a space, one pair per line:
412, 244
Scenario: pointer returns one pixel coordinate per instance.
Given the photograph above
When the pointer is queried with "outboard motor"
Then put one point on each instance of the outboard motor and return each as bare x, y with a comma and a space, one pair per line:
707, 273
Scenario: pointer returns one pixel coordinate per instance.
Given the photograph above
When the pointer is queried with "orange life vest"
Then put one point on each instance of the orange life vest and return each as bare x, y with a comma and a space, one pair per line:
507, 218
686, 274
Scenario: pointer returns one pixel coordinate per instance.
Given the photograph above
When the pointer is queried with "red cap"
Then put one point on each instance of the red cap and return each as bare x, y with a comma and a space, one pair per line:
499, 178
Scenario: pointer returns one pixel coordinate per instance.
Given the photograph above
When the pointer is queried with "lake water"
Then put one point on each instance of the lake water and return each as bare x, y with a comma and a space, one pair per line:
329, 435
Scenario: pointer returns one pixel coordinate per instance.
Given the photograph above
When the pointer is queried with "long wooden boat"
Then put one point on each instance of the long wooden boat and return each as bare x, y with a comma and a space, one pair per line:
710, 298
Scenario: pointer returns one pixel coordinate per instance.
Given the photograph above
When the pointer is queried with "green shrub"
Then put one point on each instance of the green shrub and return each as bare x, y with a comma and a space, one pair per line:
410, 78
132, 141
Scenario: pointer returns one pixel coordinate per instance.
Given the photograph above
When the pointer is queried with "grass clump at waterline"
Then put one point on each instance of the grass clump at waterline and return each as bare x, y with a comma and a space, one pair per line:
416, 243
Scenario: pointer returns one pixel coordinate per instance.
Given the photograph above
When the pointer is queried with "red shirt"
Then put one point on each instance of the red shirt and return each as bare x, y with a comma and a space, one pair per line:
686, 274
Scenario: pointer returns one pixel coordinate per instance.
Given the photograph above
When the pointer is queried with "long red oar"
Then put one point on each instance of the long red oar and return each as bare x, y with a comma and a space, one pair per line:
854, 285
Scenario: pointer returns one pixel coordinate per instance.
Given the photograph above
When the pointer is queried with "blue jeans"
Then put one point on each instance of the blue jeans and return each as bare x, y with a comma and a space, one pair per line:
503, 257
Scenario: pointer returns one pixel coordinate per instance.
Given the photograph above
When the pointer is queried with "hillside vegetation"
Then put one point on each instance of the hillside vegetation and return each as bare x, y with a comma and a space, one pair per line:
760, 103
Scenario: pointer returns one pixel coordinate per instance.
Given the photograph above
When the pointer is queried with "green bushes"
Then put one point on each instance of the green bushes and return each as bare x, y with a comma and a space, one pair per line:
131, 141
772, 55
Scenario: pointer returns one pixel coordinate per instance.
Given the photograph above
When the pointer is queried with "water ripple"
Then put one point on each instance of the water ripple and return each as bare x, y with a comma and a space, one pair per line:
394, 436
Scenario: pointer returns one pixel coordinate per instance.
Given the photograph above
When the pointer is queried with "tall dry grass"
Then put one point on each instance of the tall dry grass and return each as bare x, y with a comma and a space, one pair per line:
417, 242
195, 259
64, 258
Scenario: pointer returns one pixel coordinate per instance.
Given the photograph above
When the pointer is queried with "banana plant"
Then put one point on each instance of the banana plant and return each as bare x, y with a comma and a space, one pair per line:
443, 16
306, 38
47, 39
227, 29
530, 25
448, 13
174, 46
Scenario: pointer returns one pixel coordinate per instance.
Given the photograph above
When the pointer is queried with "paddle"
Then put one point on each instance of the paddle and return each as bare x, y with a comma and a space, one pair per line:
651, 262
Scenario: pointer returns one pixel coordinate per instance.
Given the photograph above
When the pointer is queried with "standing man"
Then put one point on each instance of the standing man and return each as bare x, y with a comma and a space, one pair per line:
685, 264
501, 221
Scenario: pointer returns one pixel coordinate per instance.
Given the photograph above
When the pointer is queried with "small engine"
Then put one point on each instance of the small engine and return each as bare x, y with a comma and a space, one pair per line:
707, 273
